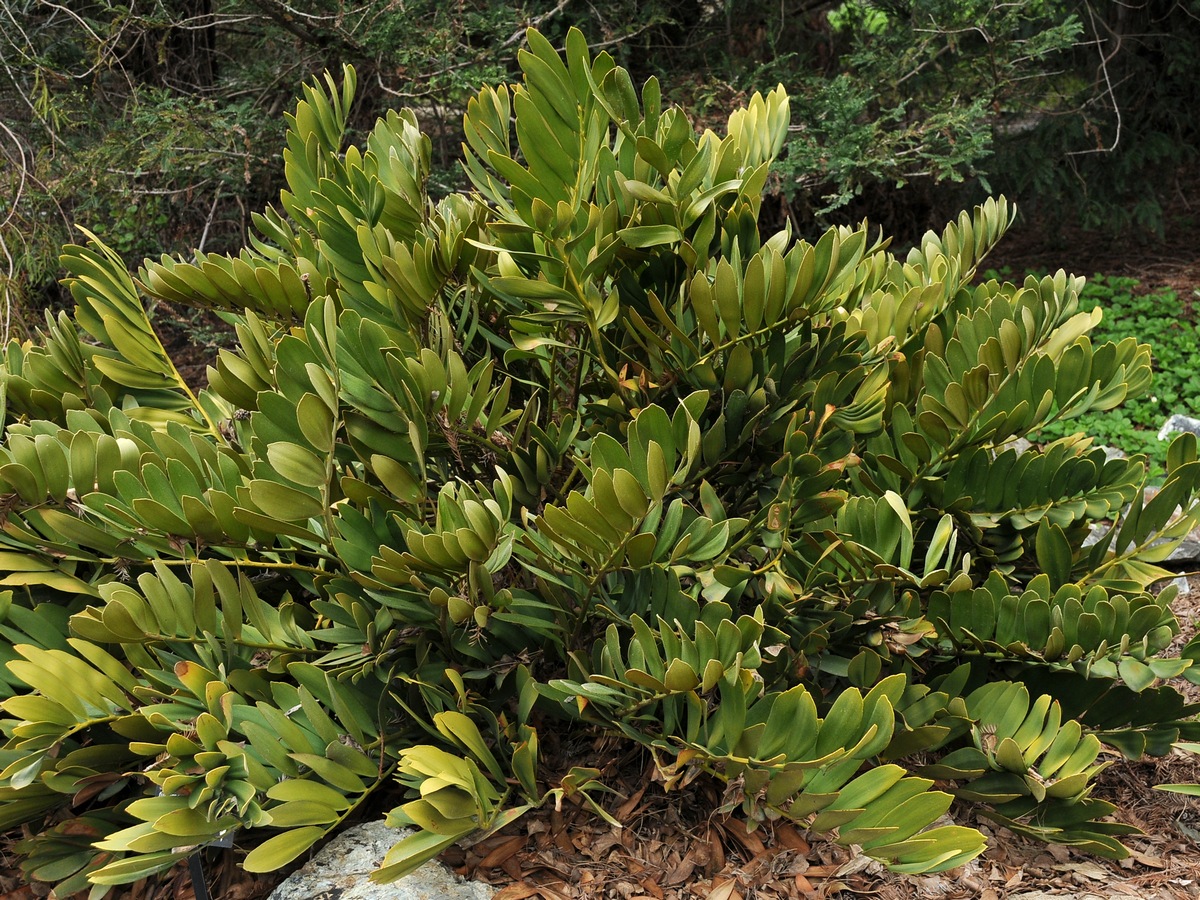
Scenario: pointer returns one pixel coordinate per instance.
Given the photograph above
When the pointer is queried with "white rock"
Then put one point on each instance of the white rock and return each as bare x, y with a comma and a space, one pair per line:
343, 867
1018, 444
1179, 423
1184, 584
1095, 533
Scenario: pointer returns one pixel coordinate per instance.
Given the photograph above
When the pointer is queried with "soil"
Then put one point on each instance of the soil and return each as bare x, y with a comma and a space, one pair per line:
1171, 259
674, 847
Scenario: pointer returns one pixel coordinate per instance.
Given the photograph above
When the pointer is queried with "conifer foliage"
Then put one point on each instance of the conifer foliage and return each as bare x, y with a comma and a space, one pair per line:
580, 450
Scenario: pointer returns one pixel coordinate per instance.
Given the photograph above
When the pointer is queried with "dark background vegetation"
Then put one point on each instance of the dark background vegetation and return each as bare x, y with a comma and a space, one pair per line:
157, 123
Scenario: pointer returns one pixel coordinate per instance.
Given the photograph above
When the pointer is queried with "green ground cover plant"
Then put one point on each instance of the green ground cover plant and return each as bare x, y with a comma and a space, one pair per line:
580, 452
1161, 318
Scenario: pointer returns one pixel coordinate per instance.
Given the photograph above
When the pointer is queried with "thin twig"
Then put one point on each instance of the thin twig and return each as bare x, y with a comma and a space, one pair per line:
484, 56
208, 222
1108, 82
9, 276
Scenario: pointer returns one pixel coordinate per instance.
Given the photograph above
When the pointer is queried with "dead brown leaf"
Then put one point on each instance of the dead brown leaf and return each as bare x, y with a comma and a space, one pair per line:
1146, 859
804, 886
626, 809
823, 871
518, 891
749, 840
787, 835
716, 851
505, 850
681, 872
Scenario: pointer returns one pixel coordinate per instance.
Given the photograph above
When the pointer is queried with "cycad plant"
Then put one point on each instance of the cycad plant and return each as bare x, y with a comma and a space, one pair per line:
581, 450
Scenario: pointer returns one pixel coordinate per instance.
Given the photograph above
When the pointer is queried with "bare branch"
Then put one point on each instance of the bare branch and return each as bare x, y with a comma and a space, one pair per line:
212, 212
1108, 83
296, 22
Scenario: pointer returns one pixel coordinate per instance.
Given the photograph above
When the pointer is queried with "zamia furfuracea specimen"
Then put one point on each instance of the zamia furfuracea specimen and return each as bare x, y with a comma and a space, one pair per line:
582, 450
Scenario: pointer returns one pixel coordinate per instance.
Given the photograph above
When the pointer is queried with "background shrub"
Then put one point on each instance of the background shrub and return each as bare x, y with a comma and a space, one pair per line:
160, 121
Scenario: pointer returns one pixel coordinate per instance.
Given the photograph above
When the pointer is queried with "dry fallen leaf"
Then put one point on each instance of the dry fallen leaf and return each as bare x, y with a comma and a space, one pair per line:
856, 864
681, 872
787, 836
1087, 869
624, 810
1059, 852
518, 891
716, 851
506, 849
749, 840
649, 886
820, 871
1146, 859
